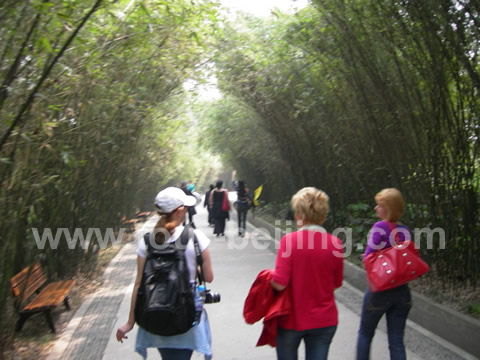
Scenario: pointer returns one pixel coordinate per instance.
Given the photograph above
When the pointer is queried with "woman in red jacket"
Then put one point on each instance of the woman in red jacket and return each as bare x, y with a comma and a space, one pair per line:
309, 266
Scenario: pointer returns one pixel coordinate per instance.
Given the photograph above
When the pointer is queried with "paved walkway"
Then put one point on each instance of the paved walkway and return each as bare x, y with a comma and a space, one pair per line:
236, 262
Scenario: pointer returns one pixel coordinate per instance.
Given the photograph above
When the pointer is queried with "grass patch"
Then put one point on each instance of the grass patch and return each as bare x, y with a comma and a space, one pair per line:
474, 309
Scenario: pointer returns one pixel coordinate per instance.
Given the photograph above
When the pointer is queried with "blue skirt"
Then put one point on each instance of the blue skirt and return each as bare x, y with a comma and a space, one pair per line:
198, 338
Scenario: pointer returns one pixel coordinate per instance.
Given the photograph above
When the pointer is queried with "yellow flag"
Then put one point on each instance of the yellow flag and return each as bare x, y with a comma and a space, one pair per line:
256, 195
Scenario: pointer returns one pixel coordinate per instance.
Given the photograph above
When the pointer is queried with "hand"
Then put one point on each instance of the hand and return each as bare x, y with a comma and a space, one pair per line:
122, 331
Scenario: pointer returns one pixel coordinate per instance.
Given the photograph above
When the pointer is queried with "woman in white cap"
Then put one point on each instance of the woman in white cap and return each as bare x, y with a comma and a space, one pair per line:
171, 204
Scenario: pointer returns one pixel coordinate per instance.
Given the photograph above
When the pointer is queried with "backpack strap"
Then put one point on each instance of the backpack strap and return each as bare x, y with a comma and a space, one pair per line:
184, 237
201, 279
187, 234
148, 244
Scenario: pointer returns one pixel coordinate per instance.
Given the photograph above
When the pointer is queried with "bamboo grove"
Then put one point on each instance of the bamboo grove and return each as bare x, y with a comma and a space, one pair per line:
356, 96
90, 109
350, 96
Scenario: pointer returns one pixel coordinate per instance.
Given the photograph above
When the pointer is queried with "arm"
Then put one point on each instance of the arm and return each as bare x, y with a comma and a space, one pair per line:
207, 198
210, 198
125, 328
339, 274
339, 256
283, 265
277, 286
207, 266
375, 239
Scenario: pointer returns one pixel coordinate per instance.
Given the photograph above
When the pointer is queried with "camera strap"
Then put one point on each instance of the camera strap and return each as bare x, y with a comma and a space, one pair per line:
198, 253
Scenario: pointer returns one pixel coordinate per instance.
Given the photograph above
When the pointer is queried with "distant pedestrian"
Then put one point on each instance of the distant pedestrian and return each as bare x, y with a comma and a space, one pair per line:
395, 303
211, 221
309, 266
191, 209
216, 200
243, 204
171, 205
191, 186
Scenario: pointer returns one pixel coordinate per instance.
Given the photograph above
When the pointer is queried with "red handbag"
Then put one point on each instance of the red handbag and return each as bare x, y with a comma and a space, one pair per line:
394, 266
225, 203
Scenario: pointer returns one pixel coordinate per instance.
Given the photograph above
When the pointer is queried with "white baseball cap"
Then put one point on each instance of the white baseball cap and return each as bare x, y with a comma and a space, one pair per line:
172, 198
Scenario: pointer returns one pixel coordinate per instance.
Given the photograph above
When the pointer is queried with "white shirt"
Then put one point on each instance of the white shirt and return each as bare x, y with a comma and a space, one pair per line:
203, 242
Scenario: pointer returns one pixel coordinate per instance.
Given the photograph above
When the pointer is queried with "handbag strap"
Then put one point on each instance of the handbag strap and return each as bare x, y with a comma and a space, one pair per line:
393, 227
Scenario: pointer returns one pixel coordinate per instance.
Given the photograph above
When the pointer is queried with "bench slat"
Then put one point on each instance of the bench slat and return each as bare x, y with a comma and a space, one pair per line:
22, 274
34, 281
51, 296
32, 287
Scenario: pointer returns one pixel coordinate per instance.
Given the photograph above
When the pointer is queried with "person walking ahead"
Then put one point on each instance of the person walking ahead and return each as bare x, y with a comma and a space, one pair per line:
396, 302
243, 203
211, 221
190, 209
171, 204
216, 204
309, 266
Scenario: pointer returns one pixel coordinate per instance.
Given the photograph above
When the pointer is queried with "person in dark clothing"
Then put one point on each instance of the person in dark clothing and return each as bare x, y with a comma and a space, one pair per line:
190, 209
216, 201
243, 203
211, 221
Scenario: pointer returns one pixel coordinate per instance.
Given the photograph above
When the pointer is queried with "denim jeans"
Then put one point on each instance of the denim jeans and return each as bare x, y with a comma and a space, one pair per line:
317, 343
242, 219
175, 354
396, 304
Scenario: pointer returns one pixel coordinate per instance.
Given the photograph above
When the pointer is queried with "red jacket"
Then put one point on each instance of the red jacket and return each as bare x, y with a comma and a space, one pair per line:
264, 302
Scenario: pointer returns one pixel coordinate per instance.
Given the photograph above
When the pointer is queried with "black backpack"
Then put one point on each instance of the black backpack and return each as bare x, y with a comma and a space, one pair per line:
165, 300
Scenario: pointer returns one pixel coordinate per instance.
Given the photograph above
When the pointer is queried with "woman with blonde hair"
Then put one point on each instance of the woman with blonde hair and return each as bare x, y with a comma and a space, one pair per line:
396, 302
309, 266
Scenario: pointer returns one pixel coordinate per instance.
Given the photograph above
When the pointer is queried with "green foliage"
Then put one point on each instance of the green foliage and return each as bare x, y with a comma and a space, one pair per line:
474, 309
348, 96
231, 129
359, 217
90, 141
356, 96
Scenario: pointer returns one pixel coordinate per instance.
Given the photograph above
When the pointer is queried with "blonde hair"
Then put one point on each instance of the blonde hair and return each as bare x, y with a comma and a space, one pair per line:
392, 200
165, 226
312, 204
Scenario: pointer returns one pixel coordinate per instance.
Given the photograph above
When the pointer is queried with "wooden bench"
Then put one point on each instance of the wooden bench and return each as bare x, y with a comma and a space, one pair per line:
143, 215
31, 296
130, 224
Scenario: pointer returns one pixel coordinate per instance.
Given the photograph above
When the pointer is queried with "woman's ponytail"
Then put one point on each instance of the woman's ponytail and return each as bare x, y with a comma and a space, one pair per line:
164, 228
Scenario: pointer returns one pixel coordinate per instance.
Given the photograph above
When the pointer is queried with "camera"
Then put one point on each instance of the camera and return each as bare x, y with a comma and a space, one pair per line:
211, 297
